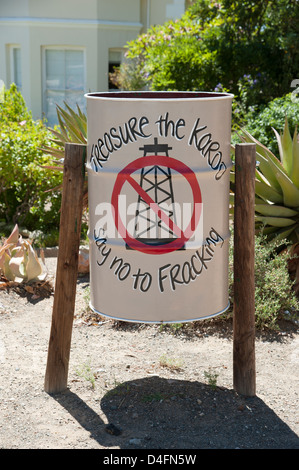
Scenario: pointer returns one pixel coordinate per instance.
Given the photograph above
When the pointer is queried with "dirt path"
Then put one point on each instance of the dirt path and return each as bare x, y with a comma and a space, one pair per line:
140, 387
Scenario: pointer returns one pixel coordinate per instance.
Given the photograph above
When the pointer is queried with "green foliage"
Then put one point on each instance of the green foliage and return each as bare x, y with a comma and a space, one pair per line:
85, 371
23, 180
247, 47
13, 108
72, 129
172, 57
127, 76
273, 288
273, 116
211, 377
276, 186
274, 296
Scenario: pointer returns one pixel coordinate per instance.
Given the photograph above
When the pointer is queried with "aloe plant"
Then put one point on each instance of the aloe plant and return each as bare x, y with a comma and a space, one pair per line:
72, 129
18, 260
276, 189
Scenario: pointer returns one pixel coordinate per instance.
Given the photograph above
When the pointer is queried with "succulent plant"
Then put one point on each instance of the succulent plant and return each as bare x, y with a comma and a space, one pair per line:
276, 189
18, 260
72, 129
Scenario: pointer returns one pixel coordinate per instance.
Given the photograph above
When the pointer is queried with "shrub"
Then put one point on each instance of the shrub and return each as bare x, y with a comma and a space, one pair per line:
274, 295
248, 47
273, 116
24, 183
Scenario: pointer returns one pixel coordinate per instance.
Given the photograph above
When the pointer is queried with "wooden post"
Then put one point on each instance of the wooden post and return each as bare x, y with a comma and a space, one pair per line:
244, 285
67, 269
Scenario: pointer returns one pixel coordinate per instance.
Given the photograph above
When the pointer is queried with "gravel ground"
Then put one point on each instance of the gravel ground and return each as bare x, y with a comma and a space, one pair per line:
140, 387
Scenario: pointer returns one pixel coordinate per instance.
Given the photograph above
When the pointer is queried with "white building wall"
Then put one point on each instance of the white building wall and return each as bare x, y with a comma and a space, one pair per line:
93, 25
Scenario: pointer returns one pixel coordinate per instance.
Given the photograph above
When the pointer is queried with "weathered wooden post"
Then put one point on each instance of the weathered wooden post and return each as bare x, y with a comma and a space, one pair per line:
67, 269
244, 374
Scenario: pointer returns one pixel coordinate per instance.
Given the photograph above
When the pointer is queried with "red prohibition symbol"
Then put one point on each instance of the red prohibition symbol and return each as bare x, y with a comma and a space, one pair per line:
125, 176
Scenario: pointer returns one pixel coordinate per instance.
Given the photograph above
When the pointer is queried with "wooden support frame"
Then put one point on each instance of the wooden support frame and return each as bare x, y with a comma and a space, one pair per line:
244, 374
67, 268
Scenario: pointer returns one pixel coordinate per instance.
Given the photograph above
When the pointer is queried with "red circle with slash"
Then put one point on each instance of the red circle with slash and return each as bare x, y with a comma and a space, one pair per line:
125, 176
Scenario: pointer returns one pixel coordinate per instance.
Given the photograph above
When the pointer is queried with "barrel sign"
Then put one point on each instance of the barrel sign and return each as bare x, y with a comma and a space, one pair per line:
158, 183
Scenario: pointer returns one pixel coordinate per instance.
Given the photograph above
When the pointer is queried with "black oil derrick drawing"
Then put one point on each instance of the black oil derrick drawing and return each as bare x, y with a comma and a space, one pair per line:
156, 181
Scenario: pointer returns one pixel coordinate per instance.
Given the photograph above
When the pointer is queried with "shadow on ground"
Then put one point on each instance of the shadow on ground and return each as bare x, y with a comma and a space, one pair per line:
156, 413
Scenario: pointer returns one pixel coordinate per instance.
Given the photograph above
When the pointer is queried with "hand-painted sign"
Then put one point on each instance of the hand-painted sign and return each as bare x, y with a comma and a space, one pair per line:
156, 162
158, 170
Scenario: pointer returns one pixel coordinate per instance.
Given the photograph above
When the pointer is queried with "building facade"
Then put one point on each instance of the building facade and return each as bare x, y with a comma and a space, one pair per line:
57, 51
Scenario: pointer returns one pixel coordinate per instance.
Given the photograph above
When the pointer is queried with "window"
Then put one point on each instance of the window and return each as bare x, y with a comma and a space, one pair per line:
115, 59
16, 72
64, 81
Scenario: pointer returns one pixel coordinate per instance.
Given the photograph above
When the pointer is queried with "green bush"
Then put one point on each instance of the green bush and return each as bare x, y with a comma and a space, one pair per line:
274, 296
246, 47
24, 182
273, 116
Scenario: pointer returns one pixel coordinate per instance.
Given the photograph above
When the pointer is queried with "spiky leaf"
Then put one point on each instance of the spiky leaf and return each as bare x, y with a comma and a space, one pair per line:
295, 167
274, 210
275, 221
267, 193
276, 186
285, 146
290, 191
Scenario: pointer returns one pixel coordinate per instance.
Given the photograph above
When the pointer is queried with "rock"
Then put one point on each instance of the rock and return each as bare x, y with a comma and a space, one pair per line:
134, 441
83, 261
112, 429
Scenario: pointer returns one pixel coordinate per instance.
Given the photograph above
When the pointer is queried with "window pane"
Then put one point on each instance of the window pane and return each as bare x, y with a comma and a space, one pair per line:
53, 98
17, 74
74, 98
64, 81
74, 70
55, 69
